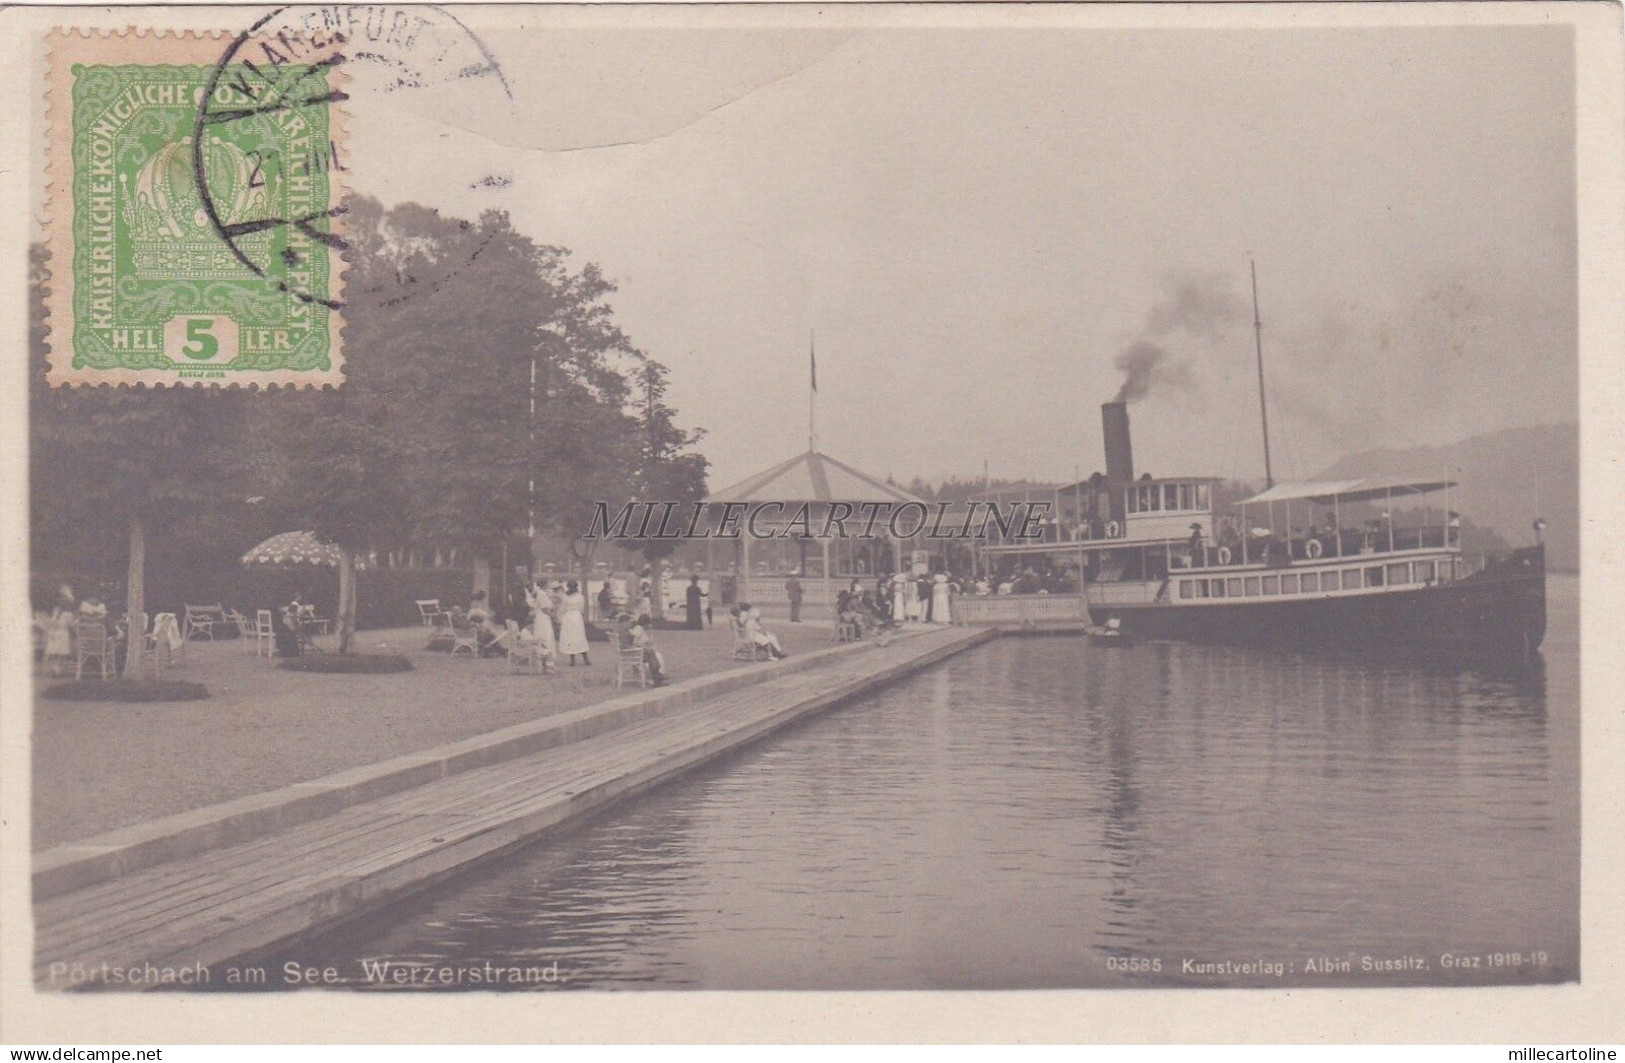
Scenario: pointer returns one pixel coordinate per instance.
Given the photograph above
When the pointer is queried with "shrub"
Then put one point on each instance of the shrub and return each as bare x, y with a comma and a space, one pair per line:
130, 690
348, 664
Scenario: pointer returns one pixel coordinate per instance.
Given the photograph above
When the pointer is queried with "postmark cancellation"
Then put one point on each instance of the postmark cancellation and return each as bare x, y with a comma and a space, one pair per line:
193, 213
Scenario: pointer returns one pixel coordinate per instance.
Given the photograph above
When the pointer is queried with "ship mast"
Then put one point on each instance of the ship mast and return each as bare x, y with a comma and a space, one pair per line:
1263, 407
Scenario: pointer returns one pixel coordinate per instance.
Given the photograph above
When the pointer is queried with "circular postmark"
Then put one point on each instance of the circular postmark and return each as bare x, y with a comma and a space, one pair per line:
269, 152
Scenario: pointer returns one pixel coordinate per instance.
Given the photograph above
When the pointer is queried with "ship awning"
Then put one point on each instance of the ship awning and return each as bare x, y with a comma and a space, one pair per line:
1364, 489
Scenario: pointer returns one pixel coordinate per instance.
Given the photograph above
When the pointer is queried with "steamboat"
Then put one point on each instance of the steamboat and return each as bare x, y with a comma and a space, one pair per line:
1323, 564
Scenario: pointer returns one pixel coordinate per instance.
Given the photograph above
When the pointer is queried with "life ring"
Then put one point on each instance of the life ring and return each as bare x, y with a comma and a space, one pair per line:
1313, 549
1113, 529
1224, 555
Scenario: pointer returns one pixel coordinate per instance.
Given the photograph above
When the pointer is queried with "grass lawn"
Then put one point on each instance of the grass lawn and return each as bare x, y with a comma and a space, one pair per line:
101, 765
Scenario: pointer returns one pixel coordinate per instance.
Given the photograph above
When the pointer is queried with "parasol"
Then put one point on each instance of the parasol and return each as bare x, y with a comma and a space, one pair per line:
292, 549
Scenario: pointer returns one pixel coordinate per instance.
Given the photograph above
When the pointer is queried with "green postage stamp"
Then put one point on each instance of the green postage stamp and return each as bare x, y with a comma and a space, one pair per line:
194, 211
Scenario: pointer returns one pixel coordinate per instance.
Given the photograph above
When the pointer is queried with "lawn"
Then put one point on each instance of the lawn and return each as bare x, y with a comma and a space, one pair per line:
101, 765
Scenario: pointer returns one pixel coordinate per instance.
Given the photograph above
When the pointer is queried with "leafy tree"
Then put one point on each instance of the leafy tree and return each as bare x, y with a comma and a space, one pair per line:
666, 471
150, 460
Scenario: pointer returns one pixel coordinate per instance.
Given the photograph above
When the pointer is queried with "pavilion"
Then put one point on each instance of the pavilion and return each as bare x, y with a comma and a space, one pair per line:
816, 480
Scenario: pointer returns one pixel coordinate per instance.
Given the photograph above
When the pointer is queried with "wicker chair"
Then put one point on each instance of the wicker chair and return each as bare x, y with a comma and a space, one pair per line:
91, 641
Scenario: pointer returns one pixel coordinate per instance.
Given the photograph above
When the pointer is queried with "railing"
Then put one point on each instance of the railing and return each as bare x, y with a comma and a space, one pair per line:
1020, 608
1282, 552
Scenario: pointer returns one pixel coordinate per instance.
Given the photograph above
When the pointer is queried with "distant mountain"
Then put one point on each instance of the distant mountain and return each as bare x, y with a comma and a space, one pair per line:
1507, 479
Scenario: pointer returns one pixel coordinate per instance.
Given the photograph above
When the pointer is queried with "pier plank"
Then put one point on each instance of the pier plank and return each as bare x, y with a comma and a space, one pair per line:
212, 906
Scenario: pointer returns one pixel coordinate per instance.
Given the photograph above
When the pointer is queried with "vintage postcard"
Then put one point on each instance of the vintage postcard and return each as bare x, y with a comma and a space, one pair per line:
935, 521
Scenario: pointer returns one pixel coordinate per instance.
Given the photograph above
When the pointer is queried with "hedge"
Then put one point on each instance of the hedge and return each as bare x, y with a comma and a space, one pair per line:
140, 690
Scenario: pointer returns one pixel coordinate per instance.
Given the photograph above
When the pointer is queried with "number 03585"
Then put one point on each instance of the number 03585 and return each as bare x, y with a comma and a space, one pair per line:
1133, 963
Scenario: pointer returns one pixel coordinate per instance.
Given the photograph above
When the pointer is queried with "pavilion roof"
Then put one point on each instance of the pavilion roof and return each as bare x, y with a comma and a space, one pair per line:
812, 477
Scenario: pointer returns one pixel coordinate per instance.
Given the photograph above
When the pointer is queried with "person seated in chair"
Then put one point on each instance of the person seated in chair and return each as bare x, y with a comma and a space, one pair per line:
641, 635
483, 619
758, 634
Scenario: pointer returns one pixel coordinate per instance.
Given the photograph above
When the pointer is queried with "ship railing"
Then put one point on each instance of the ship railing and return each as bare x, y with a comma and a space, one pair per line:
1351, 542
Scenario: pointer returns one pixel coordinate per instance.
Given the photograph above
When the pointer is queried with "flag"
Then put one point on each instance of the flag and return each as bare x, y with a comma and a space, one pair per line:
812, 359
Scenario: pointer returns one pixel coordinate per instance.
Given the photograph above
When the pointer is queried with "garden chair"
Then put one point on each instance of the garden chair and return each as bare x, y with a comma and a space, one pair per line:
201, 619
150, 650
264, 633
167, 631
92, 641
630, 663
465, 636
744, 648
847, 631
429, 611
308, 618
245, 629
524, 654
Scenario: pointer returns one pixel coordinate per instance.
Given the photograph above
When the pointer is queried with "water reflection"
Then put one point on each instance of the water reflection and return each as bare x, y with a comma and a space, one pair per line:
1029, 814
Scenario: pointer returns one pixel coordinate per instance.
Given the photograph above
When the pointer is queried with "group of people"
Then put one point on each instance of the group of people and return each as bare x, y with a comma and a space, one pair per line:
897, 599
57, 623
557, 620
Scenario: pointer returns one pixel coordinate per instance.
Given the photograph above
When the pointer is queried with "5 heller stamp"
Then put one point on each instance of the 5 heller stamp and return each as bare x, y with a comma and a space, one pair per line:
194, 197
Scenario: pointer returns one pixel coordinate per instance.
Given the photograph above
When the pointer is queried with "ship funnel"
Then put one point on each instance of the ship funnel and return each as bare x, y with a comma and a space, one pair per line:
1119, 449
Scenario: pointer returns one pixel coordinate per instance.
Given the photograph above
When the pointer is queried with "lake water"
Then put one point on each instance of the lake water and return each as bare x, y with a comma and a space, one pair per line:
1043, 812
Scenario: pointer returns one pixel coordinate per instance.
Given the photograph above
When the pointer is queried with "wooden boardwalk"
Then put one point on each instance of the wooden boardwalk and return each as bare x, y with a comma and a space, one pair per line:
209, 907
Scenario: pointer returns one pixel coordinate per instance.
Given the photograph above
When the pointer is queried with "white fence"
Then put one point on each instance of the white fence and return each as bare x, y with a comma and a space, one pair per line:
1020, 608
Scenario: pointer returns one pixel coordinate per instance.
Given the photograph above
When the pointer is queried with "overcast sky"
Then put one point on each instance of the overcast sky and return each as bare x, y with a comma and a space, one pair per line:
978, 223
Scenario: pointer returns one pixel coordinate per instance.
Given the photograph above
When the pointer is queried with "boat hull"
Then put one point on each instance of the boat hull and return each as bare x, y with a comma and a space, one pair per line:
1499, 611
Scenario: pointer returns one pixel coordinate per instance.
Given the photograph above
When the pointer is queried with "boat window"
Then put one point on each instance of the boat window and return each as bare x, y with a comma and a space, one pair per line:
1154, 496
1184, 496
1201, 496
1311, 582
1252, 586
1351, 579
1373, 576
1272, 585
1398, 573
1185, 588
1170, 496
1289, 584
1235, 587
1217, 588
1423, 571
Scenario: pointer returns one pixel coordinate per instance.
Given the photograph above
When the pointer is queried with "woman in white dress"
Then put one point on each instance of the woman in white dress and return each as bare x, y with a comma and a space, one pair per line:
541, 617
760, 635
939, 600
572, 626
911, 600
899, 607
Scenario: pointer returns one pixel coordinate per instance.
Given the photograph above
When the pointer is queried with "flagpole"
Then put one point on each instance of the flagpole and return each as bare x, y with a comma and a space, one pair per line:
812, 394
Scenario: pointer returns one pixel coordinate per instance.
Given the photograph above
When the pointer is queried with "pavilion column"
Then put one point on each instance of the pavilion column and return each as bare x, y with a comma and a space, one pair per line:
827, 573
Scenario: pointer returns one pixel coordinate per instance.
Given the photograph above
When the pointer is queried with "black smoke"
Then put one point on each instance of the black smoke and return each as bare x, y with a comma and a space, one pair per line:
1194, 306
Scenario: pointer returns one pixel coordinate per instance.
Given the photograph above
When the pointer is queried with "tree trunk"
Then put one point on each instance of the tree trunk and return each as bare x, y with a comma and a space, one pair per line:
482, 576
135, 598
346, 618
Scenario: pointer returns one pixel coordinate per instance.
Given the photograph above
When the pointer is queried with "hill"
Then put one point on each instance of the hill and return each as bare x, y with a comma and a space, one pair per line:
1507, 479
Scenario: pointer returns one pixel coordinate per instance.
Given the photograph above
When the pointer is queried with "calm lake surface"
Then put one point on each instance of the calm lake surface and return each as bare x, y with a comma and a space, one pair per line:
1043, 812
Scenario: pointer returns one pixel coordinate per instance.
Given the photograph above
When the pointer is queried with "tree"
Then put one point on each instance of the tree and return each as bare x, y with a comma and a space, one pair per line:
144, 458
666, 471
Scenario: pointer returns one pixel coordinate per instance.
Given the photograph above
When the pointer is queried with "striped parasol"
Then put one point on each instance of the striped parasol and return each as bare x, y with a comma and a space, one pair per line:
292, 549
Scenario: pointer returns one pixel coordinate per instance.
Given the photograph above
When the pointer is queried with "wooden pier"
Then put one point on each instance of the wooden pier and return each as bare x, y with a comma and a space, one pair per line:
215, 892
